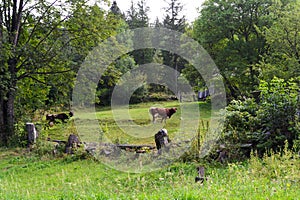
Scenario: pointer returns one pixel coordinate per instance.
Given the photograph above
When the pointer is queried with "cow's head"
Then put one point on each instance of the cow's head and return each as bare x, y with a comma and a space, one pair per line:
50, 117
172, 111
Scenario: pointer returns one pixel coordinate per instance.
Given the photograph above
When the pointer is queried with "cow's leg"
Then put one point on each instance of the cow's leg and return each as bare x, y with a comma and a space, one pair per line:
153, 119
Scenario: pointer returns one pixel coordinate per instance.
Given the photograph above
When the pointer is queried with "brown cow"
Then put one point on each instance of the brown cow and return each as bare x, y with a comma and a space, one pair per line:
162, 113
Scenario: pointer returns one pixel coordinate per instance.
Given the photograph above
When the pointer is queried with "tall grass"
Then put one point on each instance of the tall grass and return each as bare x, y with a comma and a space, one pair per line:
25, 176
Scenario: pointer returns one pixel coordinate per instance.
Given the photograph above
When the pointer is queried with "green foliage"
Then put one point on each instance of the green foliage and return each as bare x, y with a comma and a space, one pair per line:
32, 95
138, 17
51, 150
268, 165
283, 39
231, 33
267, 124
111, 77
173, 20
20, 138
46, 149
88, 27
197, 143
280, 101
37, 48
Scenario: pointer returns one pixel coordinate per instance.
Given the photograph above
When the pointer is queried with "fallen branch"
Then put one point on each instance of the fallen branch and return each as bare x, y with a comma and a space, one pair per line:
57, 141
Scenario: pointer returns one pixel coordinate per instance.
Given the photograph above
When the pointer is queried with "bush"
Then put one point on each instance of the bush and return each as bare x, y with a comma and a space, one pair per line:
265, 125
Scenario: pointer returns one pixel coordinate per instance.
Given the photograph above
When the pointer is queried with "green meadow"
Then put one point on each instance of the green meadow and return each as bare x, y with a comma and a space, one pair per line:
38, 174
133, 124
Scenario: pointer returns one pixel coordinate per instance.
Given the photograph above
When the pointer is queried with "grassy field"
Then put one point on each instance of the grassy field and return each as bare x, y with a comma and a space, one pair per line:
24, 176
41, 175
134, 126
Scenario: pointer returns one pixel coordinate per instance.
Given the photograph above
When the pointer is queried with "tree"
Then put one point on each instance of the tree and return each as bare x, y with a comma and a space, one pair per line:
111, 77
232, 32
174, 21
137, 17
283, 37
38, 48
189, 71
115, 9
27, 43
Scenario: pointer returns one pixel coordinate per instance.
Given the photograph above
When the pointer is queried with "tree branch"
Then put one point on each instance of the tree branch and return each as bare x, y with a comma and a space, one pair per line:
52, 72
26, 74
293, 48
18, 22
38, 22
37, 80
6, 12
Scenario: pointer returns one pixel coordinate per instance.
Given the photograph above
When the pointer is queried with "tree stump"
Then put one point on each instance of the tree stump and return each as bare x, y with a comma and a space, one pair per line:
73, 143
201, 174
31, 133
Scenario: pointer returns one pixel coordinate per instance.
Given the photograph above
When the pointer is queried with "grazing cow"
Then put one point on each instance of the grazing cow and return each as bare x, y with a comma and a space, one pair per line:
50, 117
163, 113
61, 116
161, 139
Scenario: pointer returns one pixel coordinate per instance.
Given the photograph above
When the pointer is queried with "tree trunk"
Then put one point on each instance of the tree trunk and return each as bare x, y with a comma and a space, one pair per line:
2, 124
13, 25
7, 120
234, 91
7, 117
10, 115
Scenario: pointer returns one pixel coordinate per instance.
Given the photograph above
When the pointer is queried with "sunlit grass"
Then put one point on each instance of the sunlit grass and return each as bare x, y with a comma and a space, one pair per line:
133, 125
24, 176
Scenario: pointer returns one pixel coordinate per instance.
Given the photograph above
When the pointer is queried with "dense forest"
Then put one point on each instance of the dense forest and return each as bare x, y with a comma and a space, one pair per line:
254, 43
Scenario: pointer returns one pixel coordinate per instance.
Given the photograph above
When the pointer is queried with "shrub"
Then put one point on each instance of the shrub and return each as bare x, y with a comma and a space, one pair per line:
278, 113
266, 124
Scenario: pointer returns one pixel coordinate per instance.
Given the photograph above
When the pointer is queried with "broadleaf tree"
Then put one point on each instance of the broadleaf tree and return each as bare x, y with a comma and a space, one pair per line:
40, 51
283, 37
233, 34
